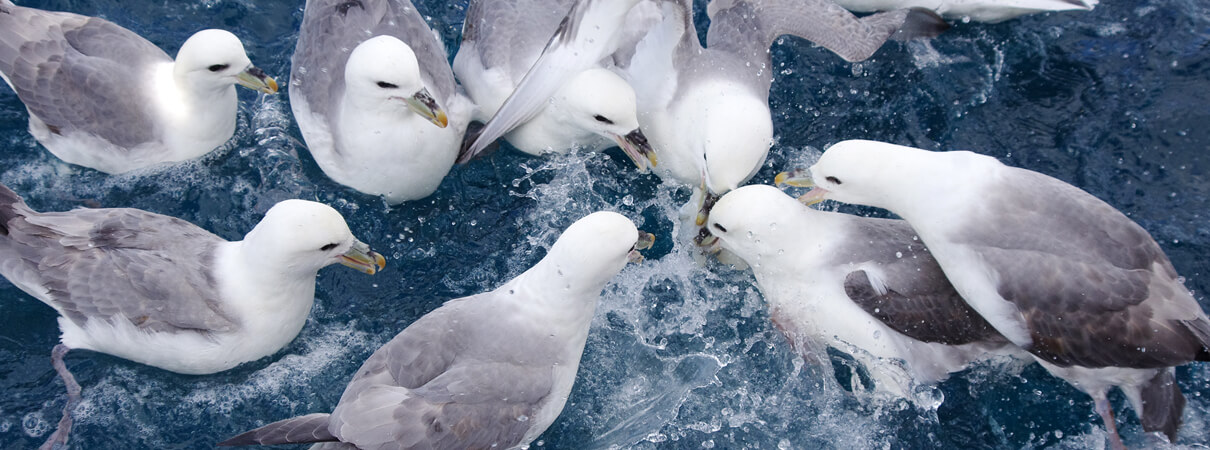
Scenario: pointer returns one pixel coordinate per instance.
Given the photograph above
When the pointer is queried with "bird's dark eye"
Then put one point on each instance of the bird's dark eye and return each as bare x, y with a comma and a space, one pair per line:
328, 247
602, 119
218, 67
385, 85
833, 180
720, 228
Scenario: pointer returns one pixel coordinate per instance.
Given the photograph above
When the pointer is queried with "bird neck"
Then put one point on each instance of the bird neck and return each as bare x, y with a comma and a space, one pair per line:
264, 291
194, 112
560, 299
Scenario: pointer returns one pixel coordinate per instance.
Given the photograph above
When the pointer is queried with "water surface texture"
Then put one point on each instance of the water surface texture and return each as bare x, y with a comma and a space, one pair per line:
681, 355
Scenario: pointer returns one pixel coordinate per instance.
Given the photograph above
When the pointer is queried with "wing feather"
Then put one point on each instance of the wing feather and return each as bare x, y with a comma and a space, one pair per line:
117, 264
79, 73
915, 298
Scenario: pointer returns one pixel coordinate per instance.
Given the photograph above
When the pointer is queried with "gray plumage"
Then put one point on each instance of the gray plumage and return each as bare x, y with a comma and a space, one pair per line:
512, 34
1059, 272
747, 28
916, 299
455, 378
114, 264
492, 370
331, 29
1087, 279
572, 49
79, 73
864, 286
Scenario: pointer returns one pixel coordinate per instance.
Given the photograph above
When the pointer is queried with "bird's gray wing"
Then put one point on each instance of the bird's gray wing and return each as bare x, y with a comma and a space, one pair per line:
510, 35
298, 430
118, 264
1093, 287
910, 293
587, 35
331, 29
748, 27
431, 386
79, 73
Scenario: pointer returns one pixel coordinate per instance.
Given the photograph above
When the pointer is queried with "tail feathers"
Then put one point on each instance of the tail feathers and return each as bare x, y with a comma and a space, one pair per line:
299, 430
921, 23
11, 205
1163, 404
472, 134
1201, 331
1085, 4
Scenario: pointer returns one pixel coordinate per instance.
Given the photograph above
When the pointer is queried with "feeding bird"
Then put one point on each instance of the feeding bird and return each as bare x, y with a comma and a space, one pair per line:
706, 109
492, 370
1057, 271
861, 285
592, 108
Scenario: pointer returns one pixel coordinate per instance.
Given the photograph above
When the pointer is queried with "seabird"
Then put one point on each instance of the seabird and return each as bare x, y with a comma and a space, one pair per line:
161, 291
375, 99
865, 286
492, 370
1056, 270
101, 96
592, 109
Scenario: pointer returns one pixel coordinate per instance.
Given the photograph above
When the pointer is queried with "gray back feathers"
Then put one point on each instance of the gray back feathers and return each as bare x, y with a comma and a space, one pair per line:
468, 385
331, 29
1088, 280
79, 73
917, 299
152, 270
510, 34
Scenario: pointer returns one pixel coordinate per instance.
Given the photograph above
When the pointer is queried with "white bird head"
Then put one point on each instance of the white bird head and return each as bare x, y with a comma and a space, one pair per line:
888, 176
591, 252
600, 101
736, 132
755, 222
212, 60
383, 74
300, 236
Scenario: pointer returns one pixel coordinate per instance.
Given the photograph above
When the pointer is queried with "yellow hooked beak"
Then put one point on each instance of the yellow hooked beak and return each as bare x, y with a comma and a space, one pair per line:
704, 206
360, 257
423, 103
635, 145
255, 79
801, 178
645, 242
796, 178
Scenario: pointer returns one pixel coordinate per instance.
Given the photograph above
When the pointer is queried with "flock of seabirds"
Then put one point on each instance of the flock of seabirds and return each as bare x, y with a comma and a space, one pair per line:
987, 259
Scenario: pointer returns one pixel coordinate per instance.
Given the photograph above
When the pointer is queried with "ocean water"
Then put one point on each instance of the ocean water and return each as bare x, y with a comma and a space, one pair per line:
681, 354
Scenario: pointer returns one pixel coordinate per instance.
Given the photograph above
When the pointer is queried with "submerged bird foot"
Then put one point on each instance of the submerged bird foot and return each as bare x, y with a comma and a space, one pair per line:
58, 439
1106, 411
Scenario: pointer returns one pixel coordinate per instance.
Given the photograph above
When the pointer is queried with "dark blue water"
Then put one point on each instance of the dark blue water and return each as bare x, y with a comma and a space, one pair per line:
1116, 101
